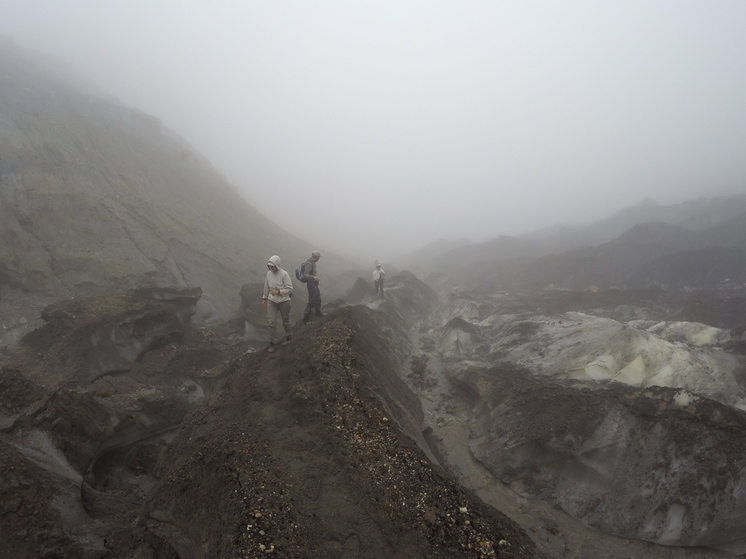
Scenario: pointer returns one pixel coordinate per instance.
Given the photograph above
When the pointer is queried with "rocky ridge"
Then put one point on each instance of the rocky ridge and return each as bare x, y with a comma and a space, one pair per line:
199, 448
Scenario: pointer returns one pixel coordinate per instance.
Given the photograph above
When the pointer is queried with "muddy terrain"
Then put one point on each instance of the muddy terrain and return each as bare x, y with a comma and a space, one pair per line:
128, 432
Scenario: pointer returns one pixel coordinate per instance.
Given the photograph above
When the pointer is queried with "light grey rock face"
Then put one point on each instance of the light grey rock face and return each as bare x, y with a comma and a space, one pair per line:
588, 348
634, 428
693, 334
656, 464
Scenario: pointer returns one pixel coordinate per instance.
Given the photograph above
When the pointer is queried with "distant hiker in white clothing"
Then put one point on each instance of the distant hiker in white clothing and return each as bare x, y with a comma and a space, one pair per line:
378, 275
278, 290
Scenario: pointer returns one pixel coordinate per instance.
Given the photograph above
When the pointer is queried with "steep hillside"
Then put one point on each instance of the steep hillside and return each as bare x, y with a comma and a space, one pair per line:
97, 197
431, 255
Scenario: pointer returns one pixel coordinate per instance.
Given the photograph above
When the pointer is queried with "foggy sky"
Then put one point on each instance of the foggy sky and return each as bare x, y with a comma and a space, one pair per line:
373, 128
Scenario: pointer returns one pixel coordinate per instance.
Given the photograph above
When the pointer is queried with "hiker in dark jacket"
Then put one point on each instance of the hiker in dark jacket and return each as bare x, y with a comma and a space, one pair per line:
313, 308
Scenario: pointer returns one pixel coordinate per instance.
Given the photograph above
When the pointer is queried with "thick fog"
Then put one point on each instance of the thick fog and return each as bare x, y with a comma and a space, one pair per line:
373, 128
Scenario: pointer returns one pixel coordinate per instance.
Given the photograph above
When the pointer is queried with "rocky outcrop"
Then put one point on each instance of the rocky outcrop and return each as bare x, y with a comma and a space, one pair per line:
360, 291
88, 402
656, 464
587, 348
634, 428
84, 340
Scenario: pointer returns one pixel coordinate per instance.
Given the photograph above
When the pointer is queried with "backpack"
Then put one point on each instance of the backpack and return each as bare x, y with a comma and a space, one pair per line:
299, 273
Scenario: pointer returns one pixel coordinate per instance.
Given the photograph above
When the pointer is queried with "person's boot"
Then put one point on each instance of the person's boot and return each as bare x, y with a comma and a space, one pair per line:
271, 348
306, 318
287, 339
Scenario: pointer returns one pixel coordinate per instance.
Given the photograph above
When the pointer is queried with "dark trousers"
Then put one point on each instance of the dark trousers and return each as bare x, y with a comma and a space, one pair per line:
379, 286
314, 301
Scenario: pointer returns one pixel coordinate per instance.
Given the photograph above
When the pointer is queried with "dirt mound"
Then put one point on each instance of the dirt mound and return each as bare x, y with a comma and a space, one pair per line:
360, 291
303, 455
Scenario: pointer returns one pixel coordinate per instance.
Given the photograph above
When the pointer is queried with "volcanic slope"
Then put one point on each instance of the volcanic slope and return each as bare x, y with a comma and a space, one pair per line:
96, 197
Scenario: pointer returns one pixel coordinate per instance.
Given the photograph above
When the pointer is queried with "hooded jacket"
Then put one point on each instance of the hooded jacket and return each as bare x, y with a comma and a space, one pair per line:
378, 273
277, 280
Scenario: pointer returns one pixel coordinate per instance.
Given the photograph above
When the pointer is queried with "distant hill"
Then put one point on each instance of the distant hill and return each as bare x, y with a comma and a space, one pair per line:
649, 255
97, 197
609, 252
463, 263
698, 214
607, 264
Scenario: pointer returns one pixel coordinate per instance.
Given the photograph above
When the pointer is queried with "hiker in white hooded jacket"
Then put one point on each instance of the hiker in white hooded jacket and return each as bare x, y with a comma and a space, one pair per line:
278, 291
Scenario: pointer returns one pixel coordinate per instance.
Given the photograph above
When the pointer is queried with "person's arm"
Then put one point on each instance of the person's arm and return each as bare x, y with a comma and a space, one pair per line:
266, 292
286, 287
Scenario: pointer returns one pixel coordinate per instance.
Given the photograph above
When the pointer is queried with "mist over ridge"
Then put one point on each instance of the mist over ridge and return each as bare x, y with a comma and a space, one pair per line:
374, 130
95, 197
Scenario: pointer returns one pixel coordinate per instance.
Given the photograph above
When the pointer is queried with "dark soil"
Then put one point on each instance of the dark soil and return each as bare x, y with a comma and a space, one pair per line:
300, 453
298, 456
192, 444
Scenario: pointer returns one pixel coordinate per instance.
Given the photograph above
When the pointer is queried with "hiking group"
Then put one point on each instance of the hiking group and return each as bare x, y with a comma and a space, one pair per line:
278, 293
